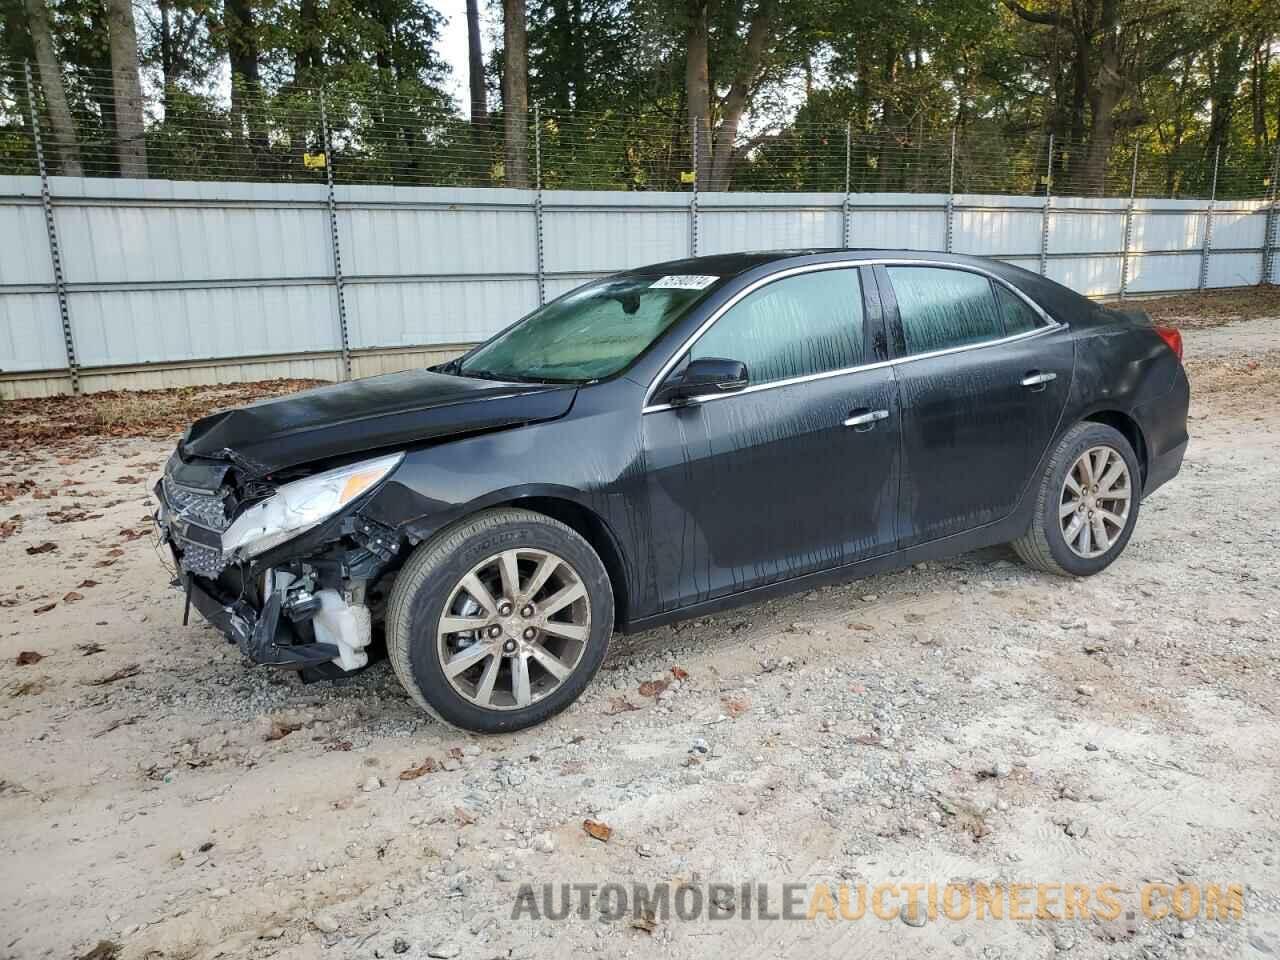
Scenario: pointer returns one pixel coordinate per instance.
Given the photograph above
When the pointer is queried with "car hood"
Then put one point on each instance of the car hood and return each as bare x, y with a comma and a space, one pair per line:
394, 410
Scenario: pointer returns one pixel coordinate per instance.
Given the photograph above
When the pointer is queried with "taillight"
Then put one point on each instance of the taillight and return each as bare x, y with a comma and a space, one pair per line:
1173, 338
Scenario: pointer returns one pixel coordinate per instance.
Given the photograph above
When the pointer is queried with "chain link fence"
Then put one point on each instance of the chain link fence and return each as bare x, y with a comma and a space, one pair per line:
380, 137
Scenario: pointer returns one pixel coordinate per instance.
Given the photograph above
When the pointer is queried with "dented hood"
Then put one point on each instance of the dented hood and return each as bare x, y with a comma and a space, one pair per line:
395, 410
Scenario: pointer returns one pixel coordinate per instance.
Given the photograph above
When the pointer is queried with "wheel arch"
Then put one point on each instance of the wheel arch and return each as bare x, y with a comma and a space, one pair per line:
591, 527
1129, 428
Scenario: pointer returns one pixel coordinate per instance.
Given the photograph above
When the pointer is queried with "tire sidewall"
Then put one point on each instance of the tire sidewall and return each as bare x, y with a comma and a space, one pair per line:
1096, 435
427, 603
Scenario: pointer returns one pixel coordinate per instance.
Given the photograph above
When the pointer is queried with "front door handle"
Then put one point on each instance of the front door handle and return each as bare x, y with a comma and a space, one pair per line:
1036, 380
863, 419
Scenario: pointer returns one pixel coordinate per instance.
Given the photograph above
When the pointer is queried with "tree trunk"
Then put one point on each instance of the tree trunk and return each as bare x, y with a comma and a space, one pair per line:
66, 145
697, 82
246, 79
515, 93
475, 67
131, 145
1226, 72
723, 157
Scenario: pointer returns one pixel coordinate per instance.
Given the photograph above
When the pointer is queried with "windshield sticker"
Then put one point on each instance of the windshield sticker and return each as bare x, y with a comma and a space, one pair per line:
689, 281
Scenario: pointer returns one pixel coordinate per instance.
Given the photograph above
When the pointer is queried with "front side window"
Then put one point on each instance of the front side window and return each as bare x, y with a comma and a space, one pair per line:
941, 308
805, 324
593, 332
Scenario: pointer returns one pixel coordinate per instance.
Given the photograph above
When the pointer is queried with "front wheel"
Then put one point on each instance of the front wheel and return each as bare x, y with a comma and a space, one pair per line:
1087, 504
500, 622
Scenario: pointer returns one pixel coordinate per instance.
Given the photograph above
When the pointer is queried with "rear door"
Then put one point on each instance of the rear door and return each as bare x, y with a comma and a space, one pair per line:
984, 377
796, 473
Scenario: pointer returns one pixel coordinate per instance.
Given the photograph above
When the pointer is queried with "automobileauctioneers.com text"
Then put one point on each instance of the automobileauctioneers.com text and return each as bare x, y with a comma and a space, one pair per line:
882, 901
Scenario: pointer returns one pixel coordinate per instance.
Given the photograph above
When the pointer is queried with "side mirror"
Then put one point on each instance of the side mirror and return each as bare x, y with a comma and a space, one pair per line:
706, 375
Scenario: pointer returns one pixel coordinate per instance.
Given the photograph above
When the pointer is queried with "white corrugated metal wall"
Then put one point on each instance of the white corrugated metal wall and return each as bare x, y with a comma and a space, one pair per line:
173, 282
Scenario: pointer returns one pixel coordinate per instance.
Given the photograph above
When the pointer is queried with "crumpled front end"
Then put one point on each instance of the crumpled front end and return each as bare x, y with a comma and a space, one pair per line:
304, 603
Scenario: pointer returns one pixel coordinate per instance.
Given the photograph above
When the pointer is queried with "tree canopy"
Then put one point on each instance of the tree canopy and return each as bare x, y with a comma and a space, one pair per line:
1015, 96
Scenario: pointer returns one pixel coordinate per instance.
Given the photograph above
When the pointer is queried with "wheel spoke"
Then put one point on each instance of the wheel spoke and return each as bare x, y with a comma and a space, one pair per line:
484, 689
466, 657
570, 631
1085, 543
555, 666
1073, 528
510, 575
1113, 518
451, 624
1072, 483
520, 684
1085, 464
1100, 537
1120, 493
562, 598
480, 593
1068, 508
546, 567
1114, 473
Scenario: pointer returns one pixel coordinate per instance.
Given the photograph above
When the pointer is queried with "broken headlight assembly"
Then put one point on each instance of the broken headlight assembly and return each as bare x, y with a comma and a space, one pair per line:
301, 505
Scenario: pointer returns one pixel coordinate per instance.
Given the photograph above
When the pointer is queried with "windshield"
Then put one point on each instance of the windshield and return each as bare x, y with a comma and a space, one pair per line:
593, 332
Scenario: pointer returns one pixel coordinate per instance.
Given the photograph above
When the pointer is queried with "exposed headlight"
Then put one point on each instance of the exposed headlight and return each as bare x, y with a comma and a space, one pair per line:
297, 507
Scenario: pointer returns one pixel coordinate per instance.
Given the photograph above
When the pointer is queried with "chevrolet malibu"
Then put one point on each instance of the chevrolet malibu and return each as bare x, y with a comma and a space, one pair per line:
661, 444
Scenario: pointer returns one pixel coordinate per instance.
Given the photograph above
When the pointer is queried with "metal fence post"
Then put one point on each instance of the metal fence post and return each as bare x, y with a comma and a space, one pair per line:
1208, 223
693, 197
537, 205
951, 194
1128, 225
1269, 239
844, 213
51, 228
333, 237
1044, 218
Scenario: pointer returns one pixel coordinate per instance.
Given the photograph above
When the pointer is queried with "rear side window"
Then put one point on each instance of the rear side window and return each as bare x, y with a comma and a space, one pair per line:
1018, 317
801, 325
941, 309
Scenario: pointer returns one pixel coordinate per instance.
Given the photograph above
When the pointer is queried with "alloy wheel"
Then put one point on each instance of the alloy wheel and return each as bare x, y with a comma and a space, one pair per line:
514, 629
1094, 506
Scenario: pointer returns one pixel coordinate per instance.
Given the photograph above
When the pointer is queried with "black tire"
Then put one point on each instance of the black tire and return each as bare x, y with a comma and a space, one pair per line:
429, 576
1044, 545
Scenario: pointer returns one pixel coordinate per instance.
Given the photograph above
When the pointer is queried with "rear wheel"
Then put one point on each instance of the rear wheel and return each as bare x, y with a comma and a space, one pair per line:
1087, 503
500, 622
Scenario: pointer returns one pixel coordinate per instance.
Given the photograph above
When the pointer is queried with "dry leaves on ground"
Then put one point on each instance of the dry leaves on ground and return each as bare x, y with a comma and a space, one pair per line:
28, 657
426, 766
598, 829
651, 688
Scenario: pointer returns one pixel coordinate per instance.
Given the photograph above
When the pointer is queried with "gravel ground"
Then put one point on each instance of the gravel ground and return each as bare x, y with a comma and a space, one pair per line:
965, 722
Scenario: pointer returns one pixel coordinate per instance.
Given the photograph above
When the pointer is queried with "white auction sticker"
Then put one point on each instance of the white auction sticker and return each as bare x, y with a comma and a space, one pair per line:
686, 281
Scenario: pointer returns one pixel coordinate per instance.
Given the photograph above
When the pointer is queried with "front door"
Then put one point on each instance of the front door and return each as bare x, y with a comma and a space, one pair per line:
796, 473
984, 378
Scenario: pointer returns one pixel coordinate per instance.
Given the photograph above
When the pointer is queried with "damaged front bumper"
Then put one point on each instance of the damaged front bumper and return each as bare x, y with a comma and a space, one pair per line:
307, 611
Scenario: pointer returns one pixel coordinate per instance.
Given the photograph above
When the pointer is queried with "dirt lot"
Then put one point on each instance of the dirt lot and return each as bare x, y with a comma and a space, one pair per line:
964, 722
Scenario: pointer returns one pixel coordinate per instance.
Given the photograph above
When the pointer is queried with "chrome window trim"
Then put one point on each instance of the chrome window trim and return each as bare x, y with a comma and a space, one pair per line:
1050, 326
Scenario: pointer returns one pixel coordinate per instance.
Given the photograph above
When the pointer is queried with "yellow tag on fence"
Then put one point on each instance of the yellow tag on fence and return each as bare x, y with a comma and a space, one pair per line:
313, 161
687, 176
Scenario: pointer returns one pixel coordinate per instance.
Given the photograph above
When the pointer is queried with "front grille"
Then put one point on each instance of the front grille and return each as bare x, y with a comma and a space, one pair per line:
201, 560
194, 506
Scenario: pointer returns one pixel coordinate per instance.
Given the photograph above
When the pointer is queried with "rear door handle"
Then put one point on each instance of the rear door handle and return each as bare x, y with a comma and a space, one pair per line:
865, 419
1036, 380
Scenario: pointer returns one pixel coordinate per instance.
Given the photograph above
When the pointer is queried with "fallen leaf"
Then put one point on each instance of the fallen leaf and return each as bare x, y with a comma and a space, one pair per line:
651, 688
735, 706
105, 950
28, 657
45, 609
132, 670
104, 563
46, 547
279, 730
89, 649
131, 534
30, 687
117, 723
858, 625
680, 673
598, 829
413, 773
115, 552
72, 597
86, 584
128, 478
619, 705
341, 746
646, 922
